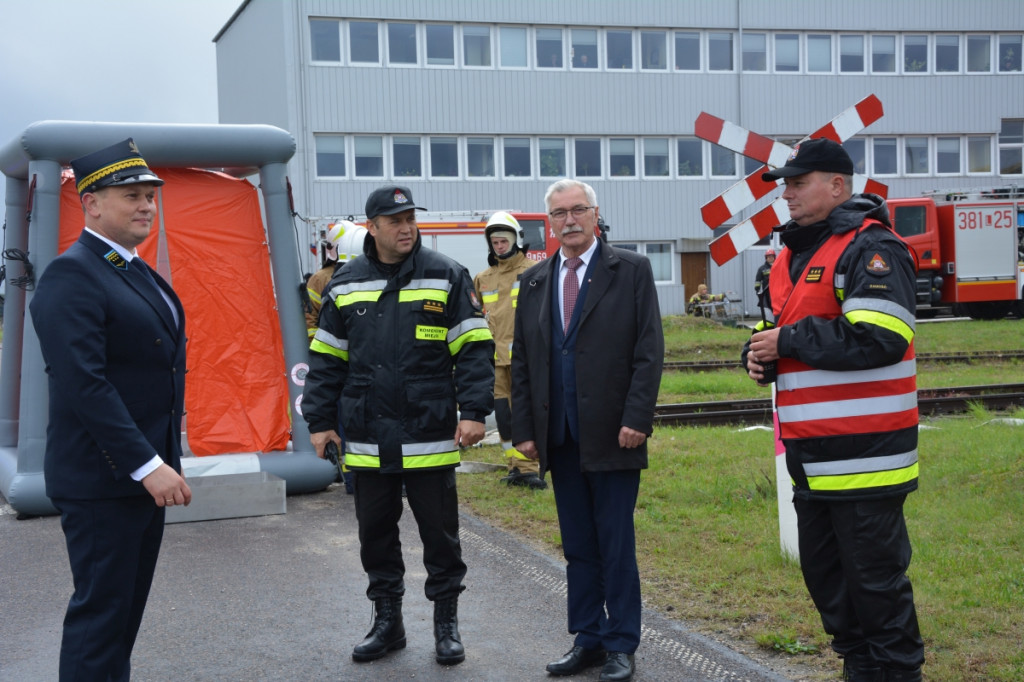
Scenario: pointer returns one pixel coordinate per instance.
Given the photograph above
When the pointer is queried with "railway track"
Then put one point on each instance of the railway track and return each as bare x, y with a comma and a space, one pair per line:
931, 402
967, 357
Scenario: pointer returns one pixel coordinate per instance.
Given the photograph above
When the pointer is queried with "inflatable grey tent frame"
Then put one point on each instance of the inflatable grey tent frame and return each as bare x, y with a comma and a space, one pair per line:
32, 164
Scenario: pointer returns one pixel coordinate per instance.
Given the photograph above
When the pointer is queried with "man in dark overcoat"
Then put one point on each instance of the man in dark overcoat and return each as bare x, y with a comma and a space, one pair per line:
586, 367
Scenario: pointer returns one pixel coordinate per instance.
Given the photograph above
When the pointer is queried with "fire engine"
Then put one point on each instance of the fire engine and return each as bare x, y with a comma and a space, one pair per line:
970, 250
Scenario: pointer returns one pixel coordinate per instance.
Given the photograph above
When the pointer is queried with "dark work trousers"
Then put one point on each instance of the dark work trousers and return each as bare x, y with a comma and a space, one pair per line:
113, 547
434, 501
595, 516
854, 557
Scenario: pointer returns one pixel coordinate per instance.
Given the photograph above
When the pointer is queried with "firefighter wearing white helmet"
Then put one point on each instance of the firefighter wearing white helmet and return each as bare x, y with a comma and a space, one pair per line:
344, 242
498, 289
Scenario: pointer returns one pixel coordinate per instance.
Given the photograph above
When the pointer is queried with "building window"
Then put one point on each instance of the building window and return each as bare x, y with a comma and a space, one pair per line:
755, 52
552, 157
476, 45
856, 148
720, 52
480, 157
444, 157
517, 157
915, 54
653, 50
325, 40
689, 157
549, 48
363, 47
656, 157
687, 51
947, 155
406, 157
723, 162
369, 155
947, 54
588, 157
884, 153
402, 43
440, 45
513, 47
660, 255
1009, 54
584, 48
619, 45
915, 155
622, 157
851, 54
979, 54
330, 156
883, 54
787, 52
979, 155
819, 53
1011, 145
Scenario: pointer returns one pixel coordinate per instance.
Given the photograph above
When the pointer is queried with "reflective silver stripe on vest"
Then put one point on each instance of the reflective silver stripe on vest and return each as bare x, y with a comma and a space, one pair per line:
467, 325
441, 284
769, 315
435, 448
860, 466
791, 381
331, 340
362, 448
880, 306
352, 287
838, 409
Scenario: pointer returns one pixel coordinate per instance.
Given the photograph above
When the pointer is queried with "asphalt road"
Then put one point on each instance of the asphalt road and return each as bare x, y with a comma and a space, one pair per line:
283, 598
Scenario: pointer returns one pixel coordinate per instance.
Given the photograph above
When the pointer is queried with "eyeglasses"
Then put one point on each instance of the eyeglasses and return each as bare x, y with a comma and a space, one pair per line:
560, 214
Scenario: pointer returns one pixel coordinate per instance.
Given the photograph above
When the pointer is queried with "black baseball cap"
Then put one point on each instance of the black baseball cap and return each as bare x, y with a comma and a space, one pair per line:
118, 164
820, 154
390, 200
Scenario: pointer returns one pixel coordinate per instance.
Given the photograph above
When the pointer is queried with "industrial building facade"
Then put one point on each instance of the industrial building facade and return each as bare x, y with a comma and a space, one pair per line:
482, 104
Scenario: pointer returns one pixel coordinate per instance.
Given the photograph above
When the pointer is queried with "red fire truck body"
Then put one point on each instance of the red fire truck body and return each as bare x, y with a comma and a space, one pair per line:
970, 250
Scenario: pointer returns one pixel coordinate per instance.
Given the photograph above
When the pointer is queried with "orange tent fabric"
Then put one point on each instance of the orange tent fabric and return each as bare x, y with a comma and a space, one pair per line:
236, 392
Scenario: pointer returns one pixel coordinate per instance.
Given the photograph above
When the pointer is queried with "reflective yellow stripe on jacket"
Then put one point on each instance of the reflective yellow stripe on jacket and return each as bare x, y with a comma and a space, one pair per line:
414, 455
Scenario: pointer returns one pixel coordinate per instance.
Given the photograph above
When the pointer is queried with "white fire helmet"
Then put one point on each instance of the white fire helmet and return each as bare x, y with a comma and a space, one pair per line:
347, 239
503, 221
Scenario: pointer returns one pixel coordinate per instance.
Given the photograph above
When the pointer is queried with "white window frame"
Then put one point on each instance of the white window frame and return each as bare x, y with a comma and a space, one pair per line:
392, 139
356, 156
526, 47
494, 158
700, 51
702, 152
561, 42
990, 140
897, 54
456, 42
600, 155
732, 44
633, 62
967, 51
490, 47
459, 161
904, 145
765, 51
663, 46
959, 155
345, 150
961, 46
865, 57
380, 43
832, 42
927, 52
799, 53
668, 157
612, 175
386, 47
529, 165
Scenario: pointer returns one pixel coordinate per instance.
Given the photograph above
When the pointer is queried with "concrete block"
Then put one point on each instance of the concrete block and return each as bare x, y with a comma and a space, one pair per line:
231, 496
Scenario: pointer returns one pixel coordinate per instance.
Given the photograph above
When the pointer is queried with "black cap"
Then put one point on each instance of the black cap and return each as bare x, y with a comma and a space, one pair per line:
118, 164
390, 200
820, 154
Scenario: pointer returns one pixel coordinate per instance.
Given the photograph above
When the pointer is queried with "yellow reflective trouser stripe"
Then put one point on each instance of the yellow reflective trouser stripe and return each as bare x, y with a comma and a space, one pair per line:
512, 453
870, 479
428, 461
318, 346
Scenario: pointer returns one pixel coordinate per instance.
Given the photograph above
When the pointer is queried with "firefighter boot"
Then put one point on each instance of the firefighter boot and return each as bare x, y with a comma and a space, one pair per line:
448, 643
387, 632
858, 666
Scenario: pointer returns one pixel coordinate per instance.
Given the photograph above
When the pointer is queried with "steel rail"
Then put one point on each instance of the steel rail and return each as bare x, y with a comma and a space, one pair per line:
931, 402
955, 356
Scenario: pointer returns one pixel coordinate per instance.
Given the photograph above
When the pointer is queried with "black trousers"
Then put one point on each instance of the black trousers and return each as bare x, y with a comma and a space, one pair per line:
854, 557
434, 502
113, 547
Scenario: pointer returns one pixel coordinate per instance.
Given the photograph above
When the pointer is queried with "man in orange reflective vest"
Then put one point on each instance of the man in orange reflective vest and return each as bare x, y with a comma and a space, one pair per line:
840, 329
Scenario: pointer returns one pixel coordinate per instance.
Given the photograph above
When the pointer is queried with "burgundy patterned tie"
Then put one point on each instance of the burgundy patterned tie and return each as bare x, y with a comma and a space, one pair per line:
570, 289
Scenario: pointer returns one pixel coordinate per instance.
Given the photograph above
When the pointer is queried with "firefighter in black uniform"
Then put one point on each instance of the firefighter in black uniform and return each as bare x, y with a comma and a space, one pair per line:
404, 348
841, 331
761, 279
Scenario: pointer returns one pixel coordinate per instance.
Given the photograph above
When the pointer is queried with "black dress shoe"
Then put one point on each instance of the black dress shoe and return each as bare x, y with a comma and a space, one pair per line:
618, 668
577, 660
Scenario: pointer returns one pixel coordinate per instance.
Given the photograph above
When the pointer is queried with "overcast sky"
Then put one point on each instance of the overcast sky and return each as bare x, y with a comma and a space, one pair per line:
150, 61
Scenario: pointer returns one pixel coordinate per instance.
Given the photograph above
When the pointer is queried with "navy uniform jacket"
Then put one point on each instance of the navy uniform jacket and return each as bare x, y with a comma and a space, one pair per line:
116, 366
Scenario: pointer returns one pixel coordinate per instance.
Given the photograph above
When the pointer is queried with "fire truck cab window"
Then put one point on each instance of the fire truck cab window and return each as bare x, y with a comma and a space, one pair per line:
533, 233
909, 220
